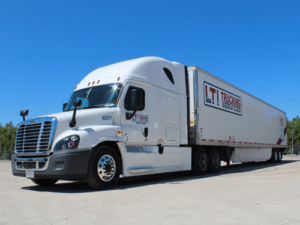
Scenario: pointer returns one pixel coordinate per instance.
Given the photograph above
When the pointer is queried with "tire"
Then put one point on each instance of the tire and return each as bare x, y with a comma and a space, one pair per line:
279, 155
213, 160
105, 168
44, 182
200, 162
274, 157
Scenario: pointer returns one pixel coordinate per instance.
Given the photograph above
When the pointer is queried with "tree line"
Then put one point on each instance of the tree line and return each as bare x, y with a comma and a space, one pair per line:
8, 134
293, 125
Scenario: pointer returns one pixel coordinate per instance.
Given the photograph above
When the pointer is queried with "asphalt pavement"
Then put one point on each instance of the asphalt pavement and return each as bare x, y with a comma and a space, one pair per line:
250, 193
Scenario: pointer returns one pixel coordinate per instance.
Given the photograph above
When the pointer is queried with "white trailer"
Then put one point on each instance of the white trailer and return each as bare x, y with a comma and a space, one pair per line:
224, 115
147, 116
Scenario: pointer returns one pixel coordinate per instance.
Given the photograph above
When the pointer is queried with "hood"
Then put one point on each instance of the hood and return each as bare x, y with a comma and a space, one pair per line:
84, 118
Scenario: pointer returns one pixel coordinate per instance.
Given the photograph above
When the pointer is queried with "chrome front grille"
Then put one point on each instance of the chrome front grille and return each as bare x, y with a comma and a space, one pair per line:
34, 137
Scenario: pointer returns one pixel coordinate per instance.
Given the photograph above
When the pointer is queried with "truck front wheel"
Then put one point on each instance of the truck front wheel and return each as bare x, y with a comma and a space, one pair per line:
105, 168
214, 160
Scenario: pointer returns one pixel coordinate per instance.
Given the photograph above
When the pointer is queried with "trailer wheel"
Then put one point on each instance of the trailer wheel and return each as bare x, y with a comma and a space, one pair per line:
279, 155
214, 160
274, 157
105, 168
44, 182
200, 162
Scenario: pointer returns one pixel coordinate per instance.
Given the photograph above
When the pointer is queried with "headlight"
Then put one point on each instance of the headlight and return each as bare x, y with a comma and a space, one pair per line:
67, 143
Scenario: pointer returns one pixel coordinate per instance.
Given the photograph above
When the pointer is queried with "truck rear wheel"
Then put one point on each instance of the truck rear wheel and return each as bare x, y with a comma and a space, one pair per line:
200, 162
105, 168
274, 157
213, 160
279, 155
44, 182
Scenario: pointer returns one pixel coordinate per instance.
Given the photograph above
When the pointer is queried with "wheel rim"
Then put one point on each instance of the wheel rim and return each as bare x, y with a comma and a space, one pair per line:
106, 168
216, 161
202, 162
275, 156
279, 155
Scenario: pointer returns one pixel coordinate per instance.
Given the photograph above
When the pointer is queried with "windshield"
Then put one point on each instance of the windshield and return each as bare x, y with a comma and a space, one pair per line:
95, 97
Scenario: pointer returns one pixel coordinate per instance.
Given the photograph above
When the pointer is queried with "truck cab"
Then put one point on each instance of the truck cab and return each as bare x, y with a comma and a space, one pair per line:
126, 119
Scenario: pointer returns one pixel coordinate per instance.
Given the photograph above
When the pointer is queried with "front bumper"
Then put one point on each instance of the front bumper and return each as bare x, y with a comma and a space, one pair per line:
71, 165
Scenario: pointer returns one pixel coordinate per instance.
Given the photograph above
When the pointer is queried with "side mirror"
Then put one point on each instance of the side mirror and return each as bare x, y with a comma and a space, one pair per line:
64, 106
136, 102
77, 103
24, 113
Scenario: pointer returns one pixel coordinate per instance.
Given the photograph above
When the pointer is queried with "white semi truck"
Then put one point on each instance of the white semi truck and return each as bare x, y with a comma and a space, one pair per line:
147, 116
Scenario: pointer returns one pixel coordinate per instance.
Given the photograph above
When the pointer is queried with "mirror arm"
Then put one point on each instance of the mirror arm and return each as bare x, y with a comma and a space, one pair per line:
130, 115
73, 121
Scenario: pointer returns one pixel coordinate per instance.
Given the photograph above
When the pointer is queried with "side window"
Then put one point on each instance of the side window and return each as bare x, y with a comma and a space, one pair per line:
169, 75
127, 102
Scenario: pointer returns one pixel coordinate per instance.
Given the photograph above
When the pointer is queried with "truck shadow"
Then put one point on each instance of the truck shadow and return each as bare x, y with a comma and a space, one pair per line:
167, 178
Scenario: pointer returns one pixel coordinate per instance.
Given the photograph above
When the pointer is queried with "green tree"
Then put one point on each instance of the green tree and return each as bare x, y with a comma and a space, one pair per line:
7, 136
295, 122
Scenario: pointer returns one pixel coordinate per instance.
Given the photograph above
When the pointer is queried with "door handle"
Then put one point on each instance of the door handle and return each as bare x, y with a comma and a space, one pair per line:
146, 131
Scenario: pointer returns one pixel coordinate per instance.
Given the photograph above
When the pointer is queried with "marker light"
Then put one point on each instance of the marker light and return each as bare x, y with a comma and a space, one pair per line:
98, 81
89, 83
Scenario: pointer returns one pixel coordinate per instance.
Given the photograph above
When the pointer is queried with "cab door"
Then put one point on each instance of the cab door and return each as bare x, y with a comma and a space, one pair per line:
134, 129
140, 156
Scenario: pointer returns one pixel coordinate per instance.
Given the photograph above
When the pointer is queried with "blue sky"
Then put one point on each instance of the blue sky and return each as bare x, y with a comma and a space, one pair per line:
47, 47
